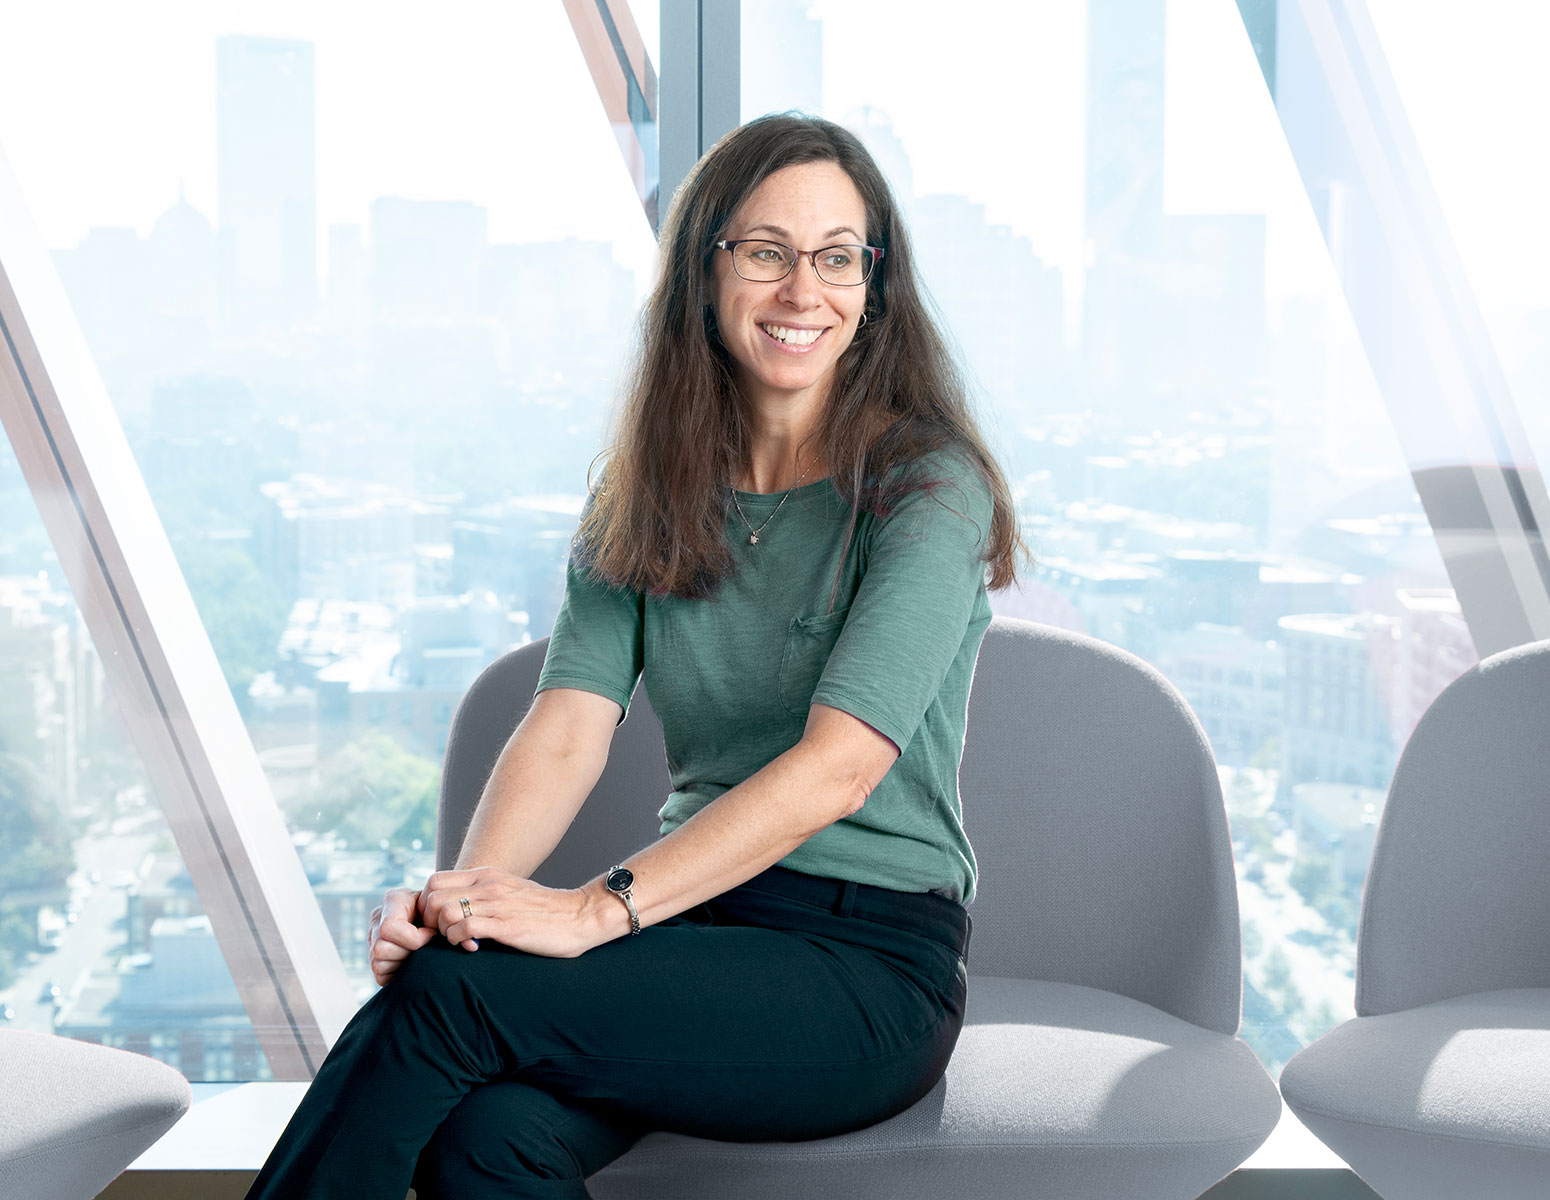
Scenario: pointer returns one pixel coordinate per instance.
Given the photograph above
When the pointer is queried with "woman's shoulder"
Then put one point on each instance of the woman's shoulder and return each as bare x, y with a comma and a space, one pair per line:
943, 480
949, 467
952, 459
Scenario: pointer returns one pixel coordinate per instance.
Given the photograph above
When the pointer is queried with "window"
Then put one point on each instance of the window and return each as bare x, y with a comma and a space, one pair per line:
1156, 326
362, 363
323, 305
1492, 196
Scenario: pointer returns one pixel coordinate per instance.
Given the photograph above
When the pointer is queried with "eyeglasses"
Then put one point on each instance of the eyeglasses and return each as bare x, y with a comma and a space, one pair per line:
769, 262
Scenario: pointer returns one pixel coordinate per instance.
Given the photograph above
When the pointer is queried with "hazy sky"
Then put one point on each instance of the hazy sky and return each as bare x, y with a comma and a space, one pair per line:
105, 108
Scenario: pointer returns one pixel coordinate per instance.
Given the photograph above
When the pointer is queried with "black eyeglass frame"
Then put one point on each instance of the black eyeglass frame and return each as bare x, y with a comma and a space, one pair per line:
874, 256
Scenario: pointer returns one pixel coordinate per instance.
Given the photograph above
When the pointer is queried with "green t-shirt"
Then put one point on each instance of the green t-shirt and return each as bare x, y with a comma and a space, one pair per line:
731, 677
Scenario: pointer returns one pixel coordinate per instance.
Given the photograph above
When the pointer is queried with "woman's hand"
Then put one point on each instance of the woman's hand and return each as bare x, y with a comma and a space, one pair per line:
396, 931
514, 911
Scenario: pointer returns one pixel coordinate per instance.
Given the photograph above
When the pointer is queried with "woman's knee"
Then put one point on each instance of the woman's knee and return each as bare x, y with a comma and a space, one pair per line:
424, 967
509, 1138
434, 976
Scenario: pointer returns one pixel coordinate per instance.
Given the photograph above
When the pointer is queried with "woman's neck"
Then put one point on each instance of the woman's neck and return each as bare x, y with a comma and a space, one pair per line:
785, 449
771, 479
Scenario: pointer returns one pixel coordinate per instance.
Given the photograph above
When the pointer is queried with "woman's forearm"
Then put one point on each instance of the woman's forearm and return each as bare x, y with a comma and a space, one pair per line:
743, 831
532, 796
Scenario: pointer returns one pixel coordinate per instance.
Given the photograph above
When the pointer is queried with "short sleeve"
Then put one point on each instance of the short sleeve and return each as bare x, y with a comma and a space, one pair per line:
598, 642
911, 613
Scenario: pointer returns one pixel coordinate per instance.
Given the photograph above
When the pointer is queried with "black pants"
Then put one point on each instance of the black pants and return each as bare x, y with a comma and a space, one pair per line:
791, 1007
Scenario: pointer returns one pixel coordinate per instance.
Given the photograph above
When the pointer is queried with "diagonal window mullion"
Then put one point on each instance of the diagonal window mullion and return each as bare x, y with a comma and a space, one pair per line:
158, 661
1414, 311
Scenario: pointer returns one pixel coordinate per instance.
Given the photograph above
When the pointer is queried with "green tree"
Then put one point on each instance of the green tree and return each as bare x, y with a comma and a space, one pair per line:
242, 611
35, 849
1278, 970
36, 854
1268, 755
1341, 911
1260, 832
108, 766
420, 824
1321, 1020
1313, 876
374, 790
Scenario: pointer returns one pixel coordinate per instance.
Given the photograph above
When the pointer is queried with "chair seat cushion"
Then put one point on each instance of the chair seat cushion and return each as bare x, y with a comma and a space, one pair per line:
1053, 1089
1431, 1101
73, 1114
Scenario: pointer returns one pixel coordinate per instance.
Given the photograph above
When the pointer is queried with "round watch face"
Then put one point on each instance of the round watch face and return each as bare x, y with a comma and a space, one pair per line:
620, 880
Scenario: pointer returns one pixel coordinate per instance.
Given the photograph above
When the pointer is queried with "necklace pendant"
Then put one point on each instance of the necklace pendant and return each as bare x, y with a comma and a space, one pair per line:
753, 539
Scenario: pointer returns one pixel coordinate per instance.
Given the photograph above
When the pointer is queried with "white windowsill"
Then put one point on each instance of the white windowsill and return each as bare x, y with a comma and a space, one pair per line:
233, 1126
1290, 1145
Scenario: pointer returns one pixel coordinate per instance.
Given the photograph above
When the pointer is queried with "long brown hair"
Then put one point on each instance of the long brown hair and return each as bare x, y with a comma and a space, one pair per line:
658, 522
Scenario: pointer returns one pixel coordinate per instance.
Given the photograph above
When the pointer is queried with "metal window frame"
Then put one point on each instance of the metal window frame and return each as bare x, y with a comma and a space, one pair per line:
1415, 312
702, 90
626, 83
159, 663
664, 126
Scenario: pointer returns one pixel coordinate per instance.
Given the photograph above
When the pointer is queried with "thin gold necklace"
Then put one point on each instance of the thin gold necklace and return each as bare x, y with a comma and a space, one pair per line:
753, 535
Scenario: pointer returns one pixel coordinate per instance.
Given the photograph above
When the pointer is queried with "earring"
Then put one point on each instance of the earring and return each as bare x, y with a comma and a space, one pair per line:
862, 322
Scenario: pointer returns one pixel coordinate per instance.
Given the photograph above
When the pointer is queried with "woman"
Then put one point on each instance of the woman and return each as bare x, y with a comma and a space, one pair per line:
770, 547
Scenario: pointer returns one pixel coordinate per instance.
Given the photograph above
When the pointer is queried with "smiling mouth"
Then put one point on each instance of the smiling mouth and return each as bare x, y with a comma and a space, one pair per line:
792, 339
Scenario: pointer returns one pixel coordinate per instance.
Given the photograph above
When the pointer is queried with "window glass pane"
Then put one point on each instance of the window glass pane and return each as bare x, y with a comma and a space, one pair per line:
360, 286
1474, 94
1107, 215
102, 936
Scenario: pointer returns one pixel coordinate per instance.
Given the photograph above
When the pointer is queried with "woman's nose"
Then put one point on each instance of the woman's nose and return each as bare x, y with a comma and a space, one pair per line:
802, 287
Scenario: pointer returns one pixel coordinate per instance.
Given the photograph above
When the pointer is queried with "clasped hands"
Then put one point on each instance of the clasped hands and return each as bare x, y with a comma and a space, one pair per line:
514, 911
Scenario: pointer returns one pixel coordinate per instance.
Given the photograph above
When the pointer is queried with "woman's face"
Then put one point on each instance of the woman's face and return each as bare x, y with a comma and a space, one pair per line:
768, 327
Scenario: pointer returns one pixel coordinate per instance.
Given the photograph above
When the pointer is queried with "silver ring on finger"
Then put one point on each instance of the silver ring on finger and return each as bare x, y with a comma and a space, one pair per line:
468, 909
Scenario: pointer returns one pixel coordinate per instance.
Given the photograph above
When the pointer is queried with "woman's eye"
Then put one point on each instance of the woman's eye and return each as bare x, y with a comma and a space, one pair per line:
837, 260
766, 254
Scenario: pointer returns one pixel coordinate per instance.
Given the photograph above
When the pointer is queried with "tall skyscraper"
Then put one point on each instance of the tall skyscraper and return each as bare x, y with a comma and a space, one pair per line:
267, 182
1173, 303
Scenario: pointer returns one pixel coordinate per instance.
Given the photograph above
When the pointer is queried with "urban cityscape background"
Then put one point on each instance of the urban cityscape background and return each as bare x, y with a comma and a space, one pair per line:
369, 446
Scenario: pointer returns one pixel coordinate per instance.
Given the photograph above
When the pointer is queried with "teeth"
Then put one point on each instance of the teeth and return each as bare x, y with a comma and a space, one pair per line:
792, 337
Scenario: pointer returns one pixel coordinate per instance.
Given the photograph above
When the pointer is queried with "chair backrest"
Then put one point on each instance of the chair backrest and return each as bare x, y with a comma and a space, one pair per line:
619, 817
1090, 795
1091, 798
1457, 898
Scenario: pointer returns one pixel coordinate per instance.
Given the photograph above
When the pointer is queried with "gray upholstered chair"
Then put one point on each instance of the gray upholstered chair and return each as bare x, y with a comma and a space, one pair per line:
73, 1115
1440, 1086
1100, 1056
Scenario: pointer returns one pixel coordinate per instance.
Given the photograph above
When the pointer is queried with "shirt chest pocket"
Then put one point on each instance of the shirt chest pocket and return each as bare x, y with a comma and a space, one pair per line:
809, 642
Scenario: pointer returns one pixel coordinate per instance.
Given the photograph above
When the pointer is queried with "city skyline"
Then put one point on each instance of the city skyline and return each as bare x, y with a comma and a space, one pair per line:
1202, 178
1225, 152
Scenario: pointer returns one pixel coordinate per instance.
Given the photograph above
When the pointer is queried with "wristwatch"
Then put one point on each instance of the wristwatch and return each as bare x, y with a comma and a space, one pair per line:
620, 880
